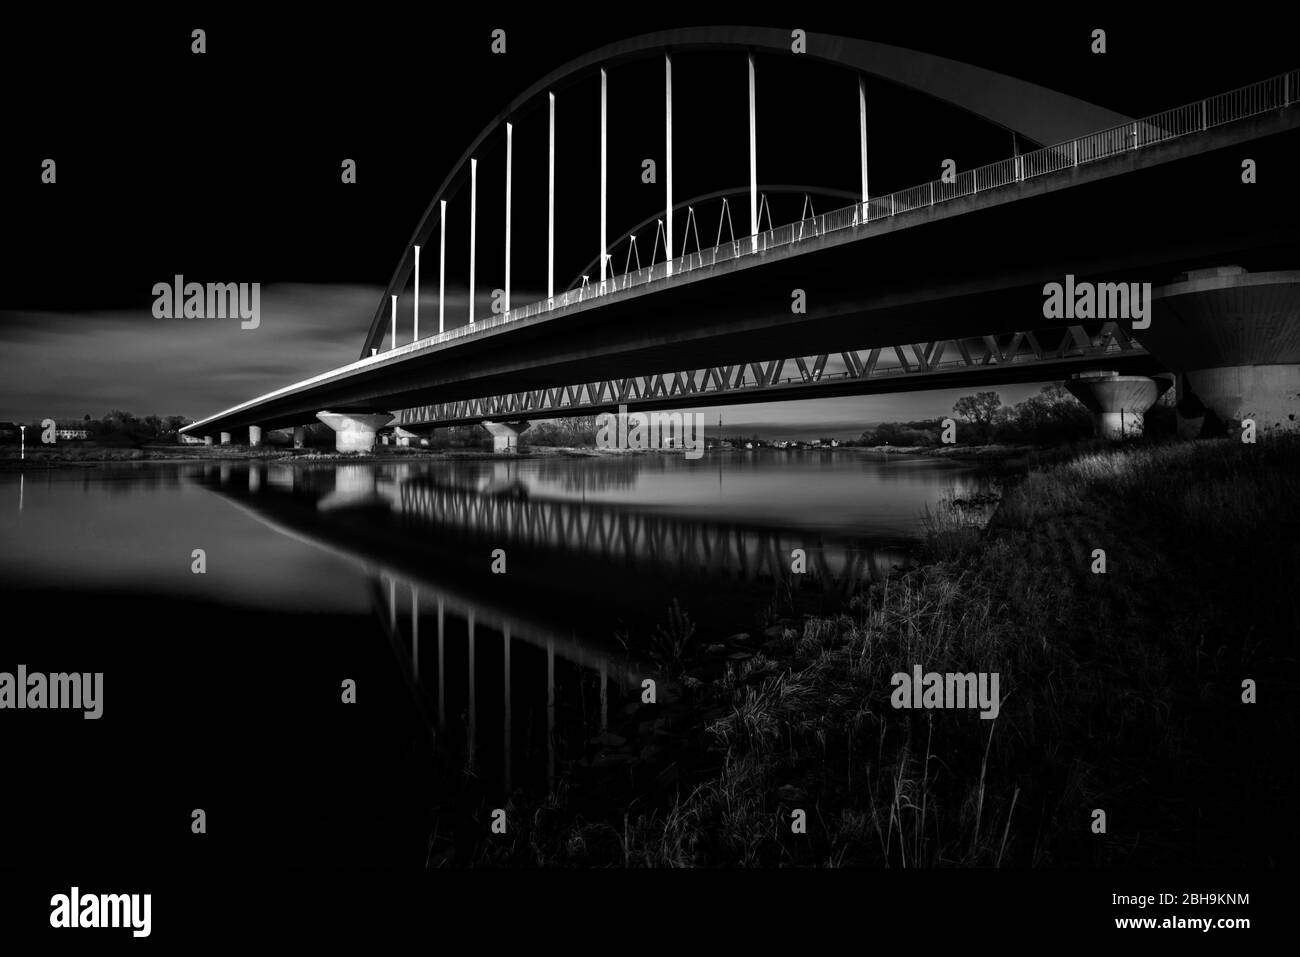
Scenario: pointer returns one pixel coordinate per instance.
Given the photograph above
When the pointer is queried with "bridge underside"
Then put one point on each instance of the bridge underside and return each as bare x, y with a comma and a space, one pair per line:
960, 363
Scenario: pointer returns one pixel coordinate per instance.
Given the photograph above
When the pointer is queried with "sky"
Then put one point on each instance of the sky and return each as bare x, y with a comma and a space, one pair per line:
225, 168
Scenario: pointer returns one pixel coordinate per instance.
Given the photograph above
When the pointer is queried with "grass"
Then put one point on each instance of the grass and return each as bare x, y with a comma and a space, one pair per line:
1119, 691
670, 642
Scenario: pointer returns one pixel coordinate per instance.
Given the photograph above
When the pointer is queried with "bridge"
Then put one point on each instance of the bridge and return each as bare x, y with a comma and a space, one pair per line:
894, 292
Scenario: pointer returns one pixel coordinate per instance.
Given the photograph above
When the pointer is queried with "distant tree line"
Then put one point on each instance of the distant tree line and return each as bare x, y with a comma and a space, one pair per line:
1052, 416
460, 437
118, 428
575, 432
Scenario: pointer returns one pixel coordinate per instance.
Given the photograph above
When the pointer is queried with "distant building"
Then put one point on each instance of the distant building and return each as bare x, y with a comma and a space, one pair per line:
186, 439
71, 434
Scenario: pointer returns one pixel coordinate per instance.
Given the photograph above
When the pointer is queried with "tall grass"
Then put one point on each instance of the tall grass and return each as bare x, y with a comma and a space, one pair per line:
1119, 690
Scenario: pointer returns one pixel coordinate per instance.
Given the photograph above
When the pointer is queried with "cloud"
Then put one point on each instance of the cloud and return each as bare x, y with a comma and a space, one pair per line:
68, 364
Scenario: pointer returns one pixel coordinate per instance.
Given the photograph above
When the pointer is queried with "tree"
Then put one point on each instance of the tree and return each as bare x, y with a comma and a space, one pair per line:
574, 431
980, 410
1053, 415
119, 421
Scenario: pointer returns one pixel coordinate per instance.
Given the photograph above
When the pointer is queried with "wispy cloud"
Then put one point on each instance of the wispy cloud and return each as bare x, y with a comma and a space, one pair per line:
67, 364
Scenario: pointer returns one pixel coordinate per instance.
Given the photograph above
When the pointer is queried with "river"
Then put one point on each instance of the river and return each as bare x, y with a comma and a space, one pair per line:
492, 614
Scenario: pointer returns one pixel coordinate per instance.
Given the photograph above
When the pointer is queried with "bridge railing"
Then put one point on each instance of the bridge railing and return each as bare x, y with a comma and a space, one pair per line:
1275, 93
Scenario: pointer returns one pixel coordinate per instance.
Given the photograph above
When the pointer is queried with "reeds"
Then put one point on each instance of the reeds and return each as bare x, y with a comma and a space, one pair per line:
1120, 690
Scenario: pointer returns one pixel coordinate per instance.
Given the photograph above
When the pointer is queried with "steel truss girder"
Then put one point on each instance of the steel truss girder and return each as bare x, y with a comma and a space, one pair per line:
716, 384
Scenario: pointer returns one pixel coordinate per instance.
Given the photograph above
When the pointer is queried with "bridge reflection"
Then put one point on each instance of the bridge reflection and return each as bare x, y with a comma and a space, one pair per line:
513, 673
481, 674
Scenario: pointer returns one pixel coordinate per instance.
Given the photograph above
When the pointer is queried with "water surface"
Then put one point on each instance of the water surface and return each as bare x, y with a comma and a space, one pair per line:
383, 573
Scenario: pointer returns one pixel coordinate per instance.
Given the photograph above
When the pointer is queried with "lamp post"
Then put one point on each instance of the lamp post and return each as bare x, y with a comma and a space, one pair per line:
22, 442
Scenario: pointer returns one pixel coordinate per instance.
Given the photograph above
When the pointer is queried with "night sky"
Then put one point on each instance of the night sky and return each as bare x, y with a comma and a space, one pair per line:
225, 168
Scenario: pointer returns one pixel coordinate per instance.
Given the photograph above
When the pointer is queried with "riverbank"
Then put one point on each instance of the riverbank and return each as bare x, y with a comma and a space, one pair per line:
1120, 691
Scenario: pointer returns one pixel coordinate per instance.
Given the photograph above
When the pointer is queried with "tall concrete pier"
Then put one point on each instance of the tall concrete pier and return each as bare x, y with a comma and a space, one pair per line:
505, 435
1118, 403
355, 431
1233, 338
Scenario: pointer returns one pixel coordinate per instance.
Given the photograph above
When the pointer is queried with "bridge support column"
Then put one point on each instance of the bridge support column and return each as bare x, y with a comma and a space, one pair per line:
550, 205
604, 179
254, 436
668, 162
442, 267
862, 130
1233, 337
1267, 394
510, 149
473, 231
207, 440
225, 438
505, 435
299, 436
753, 161
355, 431
1118, 403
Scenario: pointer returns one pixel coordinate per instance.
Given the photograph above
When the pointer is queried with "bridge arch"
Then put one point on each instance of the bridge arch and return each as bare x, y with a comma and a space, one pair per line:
1041, 115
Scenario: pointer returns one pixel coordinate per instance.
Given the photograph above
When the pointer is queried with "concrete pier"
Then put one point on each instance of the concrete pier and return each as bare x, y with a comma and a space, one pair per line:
254, 436
505, 435
1118, 403
355, 431
225, 438
299, 436
1268, 394
1233, 338
207, 440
